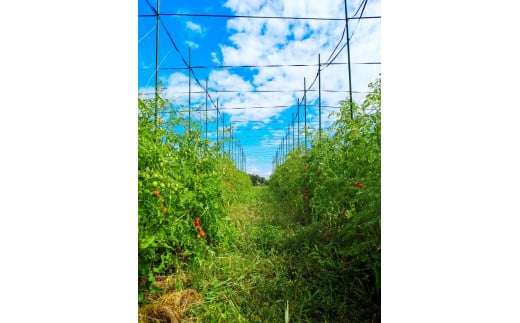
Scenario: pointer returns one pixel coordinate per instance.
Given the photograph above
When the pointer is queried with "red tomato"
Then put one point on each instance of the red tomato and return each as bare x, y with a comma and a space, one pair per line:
156, 193
202, 234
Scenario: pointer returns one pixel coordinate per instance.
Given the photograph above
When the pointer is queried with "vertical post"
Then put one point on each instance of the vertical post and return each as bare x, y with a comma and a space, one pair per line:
206, 107
230, 145
281, 152
305, 110
298, 99
223, 125
157, 60
319, 98
189, 91
348, 60
217, 121
292, 122
283, 148
287, 142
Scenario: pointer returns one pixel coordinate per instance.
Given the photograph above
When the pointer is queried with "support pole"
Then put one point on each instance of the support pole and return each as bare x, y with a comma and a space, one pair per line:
206, 108
298, 99
157, 63
217, 121
223, 126
319, 97
305, 110
348, 60
292, 123
230, 145
288, 146
189, 90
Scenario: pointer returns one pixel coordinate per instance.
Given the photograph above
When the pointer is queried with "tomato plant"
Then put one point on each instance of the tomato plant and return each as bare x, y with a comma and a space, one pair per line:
182, 181
346, 188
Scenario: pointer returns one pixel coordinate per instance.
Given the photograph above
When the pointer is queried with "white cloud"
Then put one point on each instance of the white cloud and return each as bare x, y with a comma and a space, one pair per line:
191, 44
215, 59
272, 41
265, 42
194, 27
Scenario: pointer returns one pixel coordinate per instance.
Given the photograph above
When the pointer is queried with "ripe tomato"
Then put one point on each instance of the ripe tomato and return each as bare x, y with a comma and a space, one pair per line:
199, 229
156, 193
202, 234
360, 185
197, 222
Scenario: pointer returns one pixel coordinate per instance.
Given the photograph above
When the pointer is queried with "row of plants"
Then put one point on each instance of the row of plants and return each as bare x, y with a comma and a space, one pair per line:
334, 190
184, 186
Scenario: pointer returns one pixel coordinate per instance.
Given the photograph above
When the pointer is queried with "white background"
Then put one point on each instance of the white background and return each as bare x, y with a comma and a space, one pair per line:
68, 145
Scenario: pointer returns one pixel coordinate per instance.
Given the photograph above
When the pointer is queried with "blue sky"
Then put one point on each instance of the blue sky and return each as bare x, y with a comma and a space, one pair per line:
246, 41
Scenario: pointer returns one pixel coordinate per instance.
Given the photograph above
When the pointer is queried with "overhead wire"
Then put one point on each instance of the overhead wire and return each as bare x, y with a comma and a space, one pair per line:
146, 35
179, 52
257, 91
364, 3
254, 17
259, 66
157, 68
330, 60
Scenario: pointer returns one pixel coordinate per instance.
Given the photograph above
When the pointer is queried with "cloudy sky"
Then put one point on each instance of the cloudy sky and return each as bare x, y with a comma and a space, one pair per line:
260, 117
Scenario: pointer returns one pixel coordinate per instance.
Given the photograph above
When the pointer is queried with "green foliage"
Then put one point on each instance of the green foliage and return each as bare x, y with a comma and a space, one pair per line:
337, 184
276, 261
258, 180
180, 178
309, 242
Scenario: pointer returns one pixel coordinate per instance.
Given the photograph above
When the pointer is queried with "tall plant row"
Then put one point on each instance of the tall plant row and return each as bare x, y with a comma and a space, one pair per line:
184, 184
336, 184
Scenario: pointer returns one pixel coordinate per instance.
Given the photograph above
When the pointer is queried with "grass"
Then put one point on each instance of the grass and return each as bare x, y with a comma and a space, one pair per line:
273, 262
